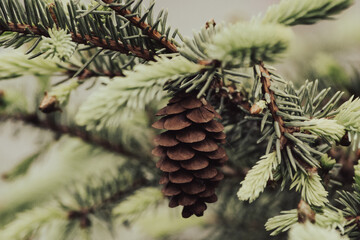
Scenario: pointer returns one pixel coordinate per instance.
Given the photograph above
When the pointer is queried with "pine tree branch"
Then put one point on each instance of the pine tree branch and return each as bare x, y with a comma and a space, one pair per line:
266, 83
78, 38
86, 74
82, 214
235, 98
147, 29
35, 121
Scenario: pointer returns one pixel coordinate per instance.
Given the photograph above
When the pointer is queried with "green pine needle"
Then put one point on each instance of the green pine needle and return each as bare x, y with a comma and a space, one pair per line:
247, 43
311, 188
139, 88
310, 231
257, 178
295, 12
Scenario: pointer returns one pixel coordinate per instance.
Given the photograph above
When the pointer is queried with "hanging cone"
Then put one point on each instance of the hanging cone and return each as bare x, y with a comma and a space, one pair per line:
190, 153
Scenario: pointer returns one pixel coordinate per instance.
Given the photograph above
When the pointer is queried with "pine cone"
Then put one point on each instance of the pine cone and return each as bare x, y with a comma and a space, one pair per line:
189, 153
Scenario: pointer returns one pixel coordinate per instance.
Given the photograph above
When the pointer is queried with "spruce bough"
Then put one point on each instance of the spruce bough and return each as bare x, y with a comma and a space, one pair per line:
268, 134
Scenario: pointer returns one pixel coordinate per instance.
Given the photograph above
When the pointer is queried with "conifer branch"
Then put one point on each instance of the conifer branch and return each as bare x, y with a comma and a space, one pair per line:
312, 231
25, 223
266, 83
300, 125
134, 205
289, 12
147, 29
112, 45
86, 74
246, 44
135, 91
35, 121
82, 214
256, 179
235, 98
78, 38
15, 64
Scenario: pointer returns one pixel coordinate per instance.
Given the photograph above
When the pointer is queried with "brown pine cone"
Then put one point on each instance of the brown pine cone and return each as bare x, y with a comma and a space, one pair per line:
189, 152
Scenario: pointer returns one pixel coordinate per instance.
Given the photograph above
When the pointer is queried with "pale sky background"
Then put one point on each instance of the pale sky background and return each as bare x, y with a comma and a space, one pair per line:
189, 15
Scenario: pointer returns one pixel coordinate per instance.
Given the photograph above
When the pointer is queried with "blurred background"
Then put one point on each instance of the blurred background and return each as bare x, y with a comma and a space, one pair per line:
328, 51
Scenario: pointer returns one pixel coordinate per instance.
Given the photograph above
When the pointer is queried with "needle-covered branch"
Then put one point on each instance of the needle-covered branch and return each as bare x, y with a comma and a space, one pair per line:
96, 28
34, 120
270, 99
290, 12
140, 23
289, 129
103, 203
80, 39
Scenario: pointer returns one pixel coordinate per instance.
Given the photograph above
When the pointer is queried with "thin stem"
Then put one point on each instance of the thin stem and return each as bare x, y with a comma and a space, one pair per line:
266, 83
87, 40
86, 74
82, 214
34, 120
119, 195
147, 29
235, 98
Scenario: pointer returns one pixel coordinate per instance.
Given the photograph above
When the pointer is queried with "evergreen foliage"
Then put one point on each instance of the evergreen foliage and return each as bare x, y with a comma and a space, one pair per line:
304, 12
309, 231
256, 179
102, 176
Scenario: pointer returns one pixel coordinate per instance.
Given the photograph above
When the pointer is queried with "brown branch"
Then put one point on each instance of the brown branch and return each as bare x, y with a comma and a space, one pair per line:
82, 214
88, 73
350, 218
34, 120
87, 40
234, 97
120, 194
305, 213
147, 29
51, 7
356, 220
266, 83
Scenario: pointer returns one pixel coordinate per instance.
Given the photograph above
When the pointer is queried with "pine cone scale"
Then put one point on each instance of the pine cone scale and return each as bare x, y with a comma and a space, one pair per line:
207, 193
197, 163
164, 179
159, 124
186, 199
213, 198
171, 189
176, 122
158, 151
173, 202
191, 103
195, 187
174, 109
166, 140
181, 177
206, 145
206, 173
191, 135
213, 126
217, 154
200, 115
180, 153
168, 165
